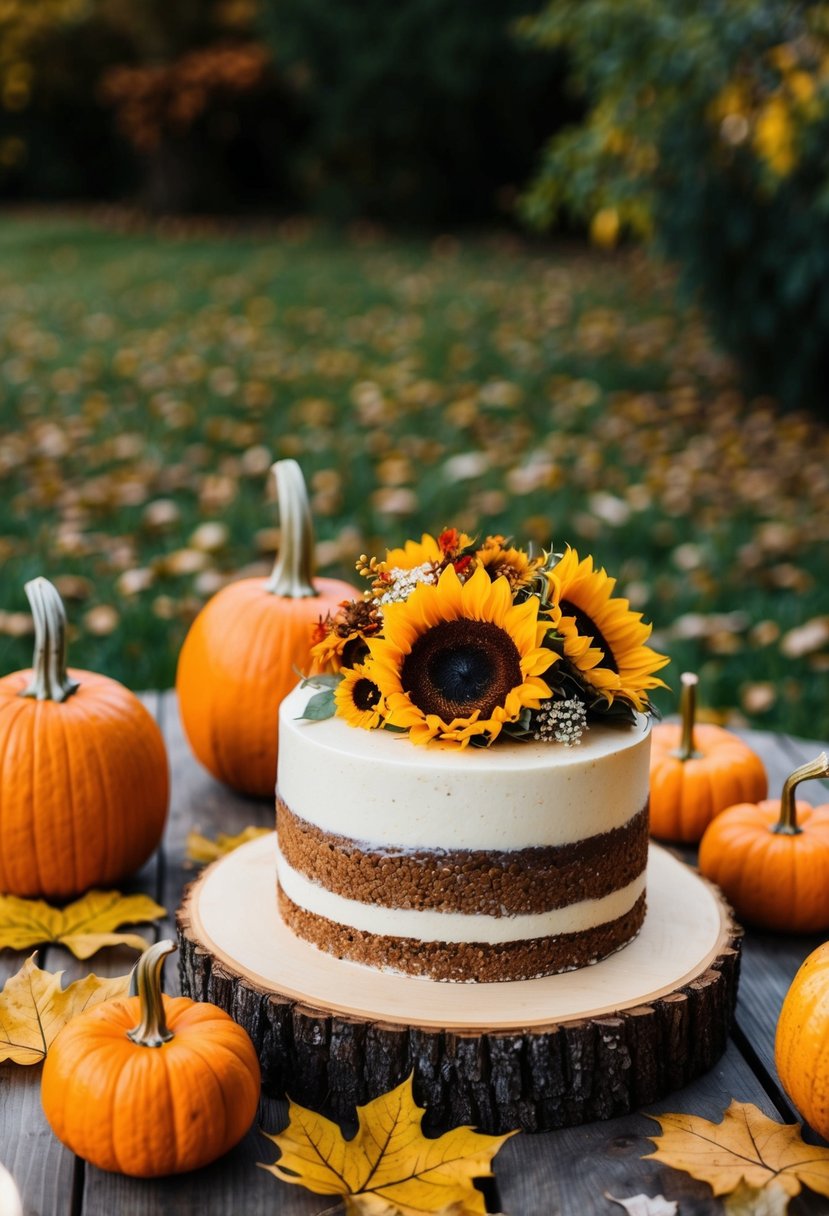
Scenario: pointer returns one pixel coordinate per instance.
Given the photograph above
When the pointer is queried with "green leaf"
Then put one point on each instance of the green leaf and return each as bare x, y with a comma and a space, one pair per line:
321, 706
321, 681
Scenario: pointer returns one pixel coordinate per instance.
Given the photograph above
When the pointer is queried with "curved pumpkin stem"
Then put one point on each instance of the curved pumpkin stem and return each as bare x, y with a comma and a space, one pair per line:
688, 710
293, 572
152, 1030
787, 823
50, 679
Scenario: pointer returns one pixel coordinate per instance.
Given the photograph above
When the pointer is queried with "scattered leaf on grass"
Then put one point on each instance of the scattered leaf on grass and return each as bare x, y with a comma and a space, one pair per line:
202, 849
34, 1008
746, 1148
84, 926
389, 1168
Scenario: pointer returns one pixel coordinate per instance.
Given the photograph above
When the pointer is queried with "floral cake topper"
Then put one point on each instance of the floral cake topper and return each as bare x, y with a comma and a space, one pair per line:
464, 643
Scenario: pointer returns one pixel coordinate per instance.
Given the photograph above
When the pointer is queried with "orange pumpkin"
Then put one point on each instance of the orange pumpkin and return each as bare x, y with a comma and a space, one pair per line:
244, 650
801, 1046
84, 779
771, 859
151, 1085
697, 771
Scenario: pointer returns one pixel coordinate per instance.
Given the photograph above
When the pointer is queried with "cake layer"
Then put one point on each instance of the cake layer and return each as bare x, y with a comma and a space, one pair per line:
430, 926
473, 961
487, 882
376, 786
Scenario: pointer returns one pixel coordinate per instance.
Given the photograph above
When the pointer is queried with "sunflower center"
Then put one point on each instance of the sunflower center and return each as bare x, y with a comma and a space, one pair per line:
354, 651
365, 694
457, 667
587, 628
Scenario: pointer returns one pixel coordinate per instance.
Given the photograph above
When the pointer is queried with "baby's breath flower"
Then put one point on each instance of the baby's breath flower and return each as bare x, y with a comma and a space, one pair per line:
401, 583
561, 722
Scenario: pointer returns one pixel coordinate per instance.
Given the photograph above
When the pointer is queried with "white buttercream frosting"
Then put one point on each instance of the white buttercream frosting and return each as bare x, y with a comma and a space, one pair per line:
431, 926
380, 788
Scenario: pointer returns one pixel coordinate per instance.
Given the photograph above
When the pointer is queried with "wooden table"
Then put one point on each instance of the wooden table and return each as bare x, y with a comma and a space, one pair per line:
566, 1172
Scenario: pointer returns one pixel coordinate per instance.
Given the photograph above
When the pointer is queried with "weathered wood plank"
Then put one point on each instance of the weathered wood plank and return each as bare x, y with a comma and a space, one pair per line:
42, 1168
47, 1175
568, 1172
234, 1184
770, 960
198, 802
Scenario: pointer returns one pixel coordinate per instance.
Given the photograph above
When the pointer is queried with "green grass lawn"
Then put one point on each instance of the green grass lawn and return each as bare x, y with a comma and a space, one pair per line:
147, 382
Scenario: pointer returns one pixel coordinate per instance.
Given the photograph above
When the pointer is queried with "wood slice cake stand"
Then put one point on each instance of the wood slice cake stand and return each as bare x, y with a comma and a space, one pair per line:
536, 1055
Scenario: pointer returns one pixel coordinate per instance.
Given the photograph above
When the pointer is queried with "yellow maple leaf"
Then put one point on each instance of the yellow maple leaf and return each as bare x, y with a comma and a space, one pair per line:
202, 849
389, 1166
34, 1007
746, 1147
84, 926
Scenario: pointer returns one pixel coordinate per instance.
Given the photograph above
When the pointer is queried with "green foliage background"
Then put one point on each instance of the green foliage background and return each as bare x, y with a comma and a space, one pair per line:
429, 112
707, 128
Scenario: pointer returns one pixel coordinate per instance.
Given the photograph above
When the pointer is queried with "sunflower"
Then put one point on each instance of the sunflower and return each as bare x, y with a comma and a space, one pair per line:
414, 553
340, 641
458, 659
359, 700
515, 565
603, 639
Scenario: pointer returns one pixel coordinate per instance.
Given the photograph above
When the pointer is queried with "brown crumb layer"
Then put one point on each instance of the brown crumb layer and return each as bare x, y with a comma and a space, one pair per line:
464, 962
486, 882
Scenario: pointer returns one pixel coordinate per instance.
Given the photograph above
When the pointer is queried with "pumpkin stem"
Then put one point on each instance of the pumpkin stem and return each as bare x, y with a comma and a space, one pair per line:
151, 1030
50, 680
688, 710
293, 572
787, 823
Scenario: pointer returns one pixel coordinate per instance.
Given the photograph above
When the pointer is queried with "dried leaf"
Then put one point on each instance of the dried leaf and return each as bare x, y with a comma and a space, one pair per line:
84, 926
202, 849
389, 1168
749, 1201
34, 1007
746, 1147
646, 1205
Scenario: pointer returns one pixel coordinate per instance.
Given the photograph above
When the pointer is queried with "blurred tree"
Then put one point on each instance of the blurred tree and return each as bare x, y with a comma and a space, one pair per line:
175, 102
425, 110
707, 128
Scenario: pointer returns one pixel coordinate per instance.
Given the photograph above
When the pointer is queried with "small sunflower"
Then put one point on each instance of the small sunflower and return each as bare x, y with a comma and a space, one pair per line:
414, 553
603, 639
458, 660
336, 651
515, 565
340, 641
359, 700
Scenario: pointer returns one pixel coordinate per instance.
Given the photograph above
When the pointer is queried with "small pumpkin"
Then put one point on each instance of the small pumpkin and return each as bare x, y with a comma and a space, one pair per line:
84, 780
242, 653
150, 1085
697, 771
771, 859
801, 1045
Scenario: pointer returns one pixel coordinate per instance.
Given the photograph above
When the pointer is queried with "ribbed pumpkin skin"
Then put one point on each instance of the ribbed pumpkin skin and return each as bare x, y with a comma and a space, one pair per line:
239, 660
84, 787
774, 882
687, 794
801, 1047
151, 1111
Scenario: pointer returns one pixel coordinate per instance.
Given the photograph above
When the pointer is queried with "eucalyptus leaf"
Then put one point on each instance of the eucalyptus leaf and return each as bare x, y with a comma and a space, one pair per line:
321, 681
321, 706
